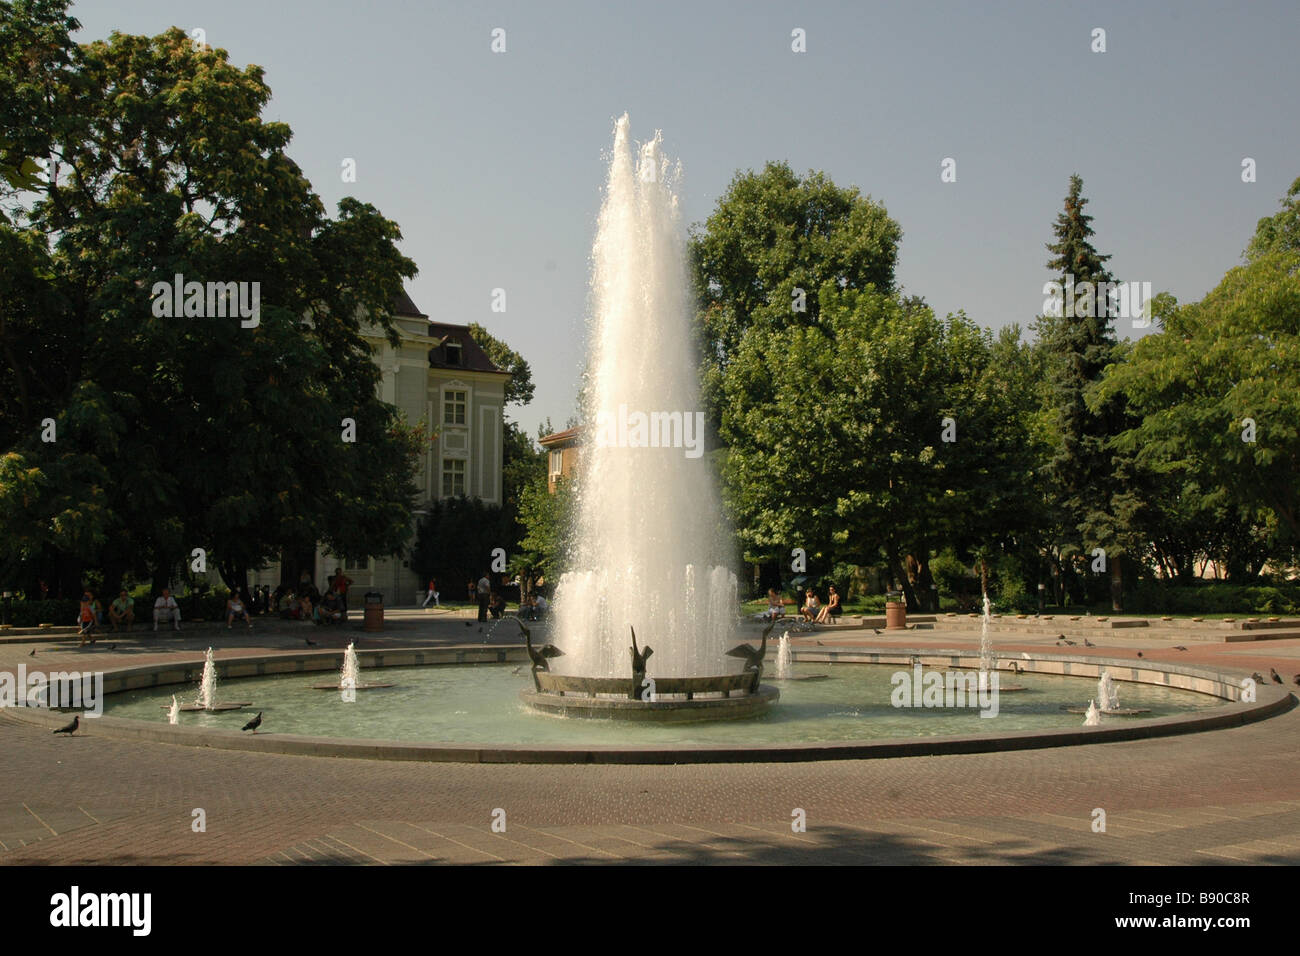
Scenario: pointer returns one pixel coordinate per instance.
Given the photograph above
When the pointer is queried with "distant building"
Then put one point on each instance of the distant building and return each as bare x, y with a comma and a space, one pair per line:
439, 374
562, 450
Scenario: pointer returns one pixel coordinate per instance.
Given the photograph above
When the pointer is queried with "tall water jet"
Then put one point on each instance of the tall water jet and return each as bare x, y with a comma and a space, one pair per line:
988, 662
1107, 694
784, 664
207, 698
174, 714
647, 547
350, 676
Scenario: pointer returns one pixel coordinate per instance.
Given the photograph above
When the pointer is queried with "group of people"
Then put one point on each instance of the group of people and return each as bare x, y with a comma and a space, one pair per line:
812, 610
306, 603
121, 614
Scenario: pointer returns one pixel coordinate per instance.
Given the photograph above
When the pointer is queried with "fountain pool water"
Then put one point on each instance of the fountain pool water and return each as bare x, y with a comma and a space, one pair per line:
478, 704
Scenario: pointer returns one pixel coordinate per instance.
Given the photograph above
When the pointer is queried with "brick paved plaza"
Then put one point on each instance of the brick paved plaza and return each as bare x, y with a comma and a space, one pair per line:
1228, 796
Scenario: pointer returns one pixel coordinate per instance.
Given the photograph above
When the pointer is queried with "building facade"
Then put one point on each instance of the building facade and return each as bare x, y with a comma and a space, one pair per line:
437, 375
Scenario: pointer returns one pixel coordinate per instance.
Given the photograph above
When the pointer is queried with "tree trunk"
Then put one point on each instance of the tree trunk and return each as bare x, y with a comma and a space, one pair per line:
1117, 584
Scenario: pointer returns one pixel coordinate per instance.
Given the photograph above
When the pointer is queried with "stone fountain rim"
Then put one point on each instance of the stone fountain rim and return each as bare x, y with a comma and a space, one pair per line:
1271, 701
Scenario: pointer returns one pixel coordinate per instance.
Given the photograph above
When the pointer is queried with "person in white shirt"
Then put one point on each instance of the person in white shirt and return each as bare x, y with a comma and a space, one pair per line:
165, 608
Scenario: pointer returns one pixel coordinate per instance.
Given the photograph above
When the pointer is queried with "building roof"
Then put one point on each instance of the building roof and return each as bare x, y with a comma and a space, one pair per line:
403, 306
569, 436
472, 357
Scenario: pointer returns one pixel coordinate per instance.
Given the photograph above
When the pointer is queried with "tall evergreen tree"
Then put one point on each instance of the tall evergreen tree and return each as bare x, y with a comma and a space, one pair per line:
1080, 343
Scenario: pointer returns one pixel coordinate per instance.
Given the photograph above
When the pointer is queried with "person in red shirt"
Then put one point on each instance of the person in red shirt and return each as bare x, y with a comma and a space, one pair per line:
432, 595
340, 583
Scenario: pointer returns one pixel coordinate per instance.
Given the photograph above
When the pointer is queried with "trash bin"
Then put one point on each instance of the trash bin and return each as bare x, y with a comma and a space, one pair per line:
374, 620
895, 611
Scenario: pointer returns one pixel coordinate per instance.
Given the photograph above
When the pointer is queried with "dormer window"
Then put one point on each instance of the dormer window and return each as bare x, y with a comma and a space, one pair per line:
451, 352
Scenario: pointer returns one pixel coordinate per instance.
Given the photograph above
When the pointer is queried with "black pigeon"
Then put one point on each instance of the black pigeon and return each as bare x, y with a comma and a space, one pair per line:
253, 724
1139, 653
33, 653
1060, 637
1179, 647
71, 728
1070, 642
1296, 678
1277, 678
311, 643
469, 623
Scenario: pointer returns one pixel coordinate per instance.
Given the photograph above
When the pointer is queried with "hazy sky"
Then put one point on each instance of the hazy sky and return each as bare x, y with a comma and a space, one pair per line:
493, 163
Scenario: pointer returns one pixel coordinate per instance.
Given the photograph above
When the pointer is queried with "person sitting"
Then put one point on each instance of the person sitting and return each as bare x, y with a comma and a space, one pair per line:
304, 609
496, 604
528, 607
86, 619
810, 606
540, 605
122, 610
832, 608
775, 606
331, 610
165, 608
235, 609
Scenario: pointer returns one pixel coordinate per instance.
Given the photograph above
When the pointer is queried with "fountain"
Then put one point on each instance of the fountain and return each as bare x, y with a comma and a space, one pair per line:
350, 676
174, 714
1107, 701
988, 662
1093, 718
784, 667
648, 546
207, 696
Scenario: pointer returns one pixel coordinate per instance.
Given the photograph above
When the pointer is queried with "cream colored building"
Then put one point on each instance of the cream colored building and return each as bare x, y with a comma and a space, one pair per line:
437, 374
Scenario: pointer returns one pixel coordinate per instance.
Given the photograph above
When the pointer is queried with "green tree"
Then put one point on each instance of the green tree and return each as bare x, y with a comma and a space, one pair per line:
1218, 392
1279, 232
774, 235
1079, 343
176, 432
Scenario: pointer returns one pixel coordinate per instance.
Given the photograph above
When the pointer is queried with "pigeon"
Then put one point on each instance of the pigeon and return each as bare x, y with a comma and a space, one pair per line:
1058, 643
112, 647
1025, 655
1088, 643
820, 644
71, 728
1060, 637
1297, 678
1257, 678
1070, 642
1179, 647
1139, 653
253, 724
517, 669
311, 643
33, 653
1277, 678
469, 623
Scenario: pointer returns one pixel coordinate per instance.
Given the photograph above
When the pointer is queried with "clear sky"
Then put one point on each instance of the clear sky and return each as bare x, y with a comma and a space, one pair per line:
492, 163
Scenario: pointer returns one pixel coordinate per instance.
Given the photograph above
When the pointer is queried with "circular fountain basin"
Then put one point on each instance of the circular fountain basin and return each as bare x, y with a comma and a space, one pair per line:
360, 685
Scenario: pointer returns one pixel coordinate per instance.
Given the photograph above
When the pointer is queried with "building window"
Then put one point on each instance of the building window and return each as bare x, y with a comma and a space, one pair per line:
453, 408
557, 463
453, 478
351, 564
453, 353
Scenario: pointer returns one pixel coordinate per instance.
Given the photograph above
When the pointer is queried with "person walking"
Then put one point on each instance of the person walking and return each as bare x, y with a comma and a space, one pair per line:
432, 595
483, 593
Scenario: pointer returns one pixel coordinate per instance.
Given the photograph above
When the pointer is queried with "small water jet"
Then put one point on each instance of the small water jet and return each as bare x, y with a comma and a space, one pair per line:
174, 714
783, 664
350, 676
207, 696
1107, 701
1093, 718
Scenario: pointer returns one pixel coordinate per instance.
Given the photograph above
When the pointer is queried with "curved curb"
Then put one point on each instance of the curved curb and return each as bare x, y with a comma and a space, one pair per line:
1271, 701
